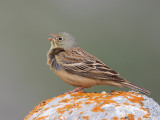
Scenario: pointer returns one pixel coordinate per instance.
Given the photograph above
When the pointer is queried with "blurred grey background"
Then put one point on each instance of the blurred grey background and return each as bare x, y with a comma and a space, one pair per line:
123, 34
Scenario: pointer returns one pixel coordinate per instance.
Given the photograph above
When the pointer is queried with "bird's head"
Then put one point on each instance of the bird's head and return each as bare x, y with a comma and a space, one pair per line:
63, 40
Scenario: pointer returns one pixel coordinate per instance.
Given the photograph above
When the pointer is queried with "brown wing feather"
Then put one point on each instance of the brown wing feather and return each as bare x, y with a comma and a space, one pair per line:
81, 63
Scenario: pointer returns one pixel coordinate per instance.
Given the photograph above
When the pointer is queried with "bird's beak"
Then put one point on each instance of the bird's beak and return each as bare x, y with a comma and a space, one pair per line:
53, 39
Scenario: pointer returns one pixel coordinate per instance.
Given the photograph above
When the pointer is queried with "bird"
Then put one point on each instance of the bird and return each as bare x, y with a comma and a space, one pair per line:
80, 68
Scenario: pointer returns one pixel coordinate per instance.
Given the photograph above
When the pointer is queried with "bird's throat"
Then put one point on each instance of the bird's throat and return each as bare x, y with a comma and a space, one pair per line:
55, 44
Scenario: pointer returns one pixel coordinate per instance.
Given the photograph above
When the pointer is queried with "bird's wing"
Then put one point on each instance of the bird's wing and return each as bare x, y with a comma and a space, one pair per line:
79, 62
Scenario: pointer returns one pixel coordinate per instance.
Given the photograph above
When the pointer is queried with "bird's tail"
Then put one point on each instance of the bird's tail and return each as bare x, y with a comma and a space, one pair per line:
134, 87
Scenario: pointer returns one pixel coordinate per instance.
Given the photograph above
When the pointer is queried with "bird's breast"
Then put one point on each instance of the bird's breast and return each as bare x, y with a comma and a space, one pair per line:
76, 80
55, 64
53, 58
52, 61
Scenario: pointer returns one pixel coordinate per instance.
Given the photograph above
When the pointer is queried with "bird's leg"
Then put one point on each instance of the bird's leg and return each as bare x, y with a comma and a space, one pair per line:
79, 89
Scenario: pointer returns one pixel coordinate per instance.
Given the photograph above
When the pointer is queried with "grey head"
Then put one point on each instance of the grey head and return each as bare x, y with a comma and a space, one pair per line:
63, 40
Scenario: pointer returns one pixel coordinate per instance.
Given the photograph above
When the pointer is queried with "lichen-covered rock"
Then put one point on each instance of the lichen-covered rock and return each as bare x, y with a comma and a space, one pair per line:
97, 106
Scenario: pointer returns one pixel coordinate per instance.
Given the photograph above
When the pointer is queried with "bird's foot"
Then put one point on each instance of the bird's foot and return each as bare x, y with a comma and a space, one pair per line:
79, 89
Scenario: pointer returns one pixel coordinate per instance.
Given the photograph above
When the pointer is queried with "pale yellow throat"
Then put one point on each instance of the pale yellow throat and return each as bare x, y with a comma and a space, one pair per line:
53, 45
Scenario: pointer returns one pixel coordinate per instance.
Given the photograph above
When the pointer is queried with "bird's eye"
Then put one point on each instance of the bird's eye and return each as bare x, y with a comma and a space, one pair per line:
60, 38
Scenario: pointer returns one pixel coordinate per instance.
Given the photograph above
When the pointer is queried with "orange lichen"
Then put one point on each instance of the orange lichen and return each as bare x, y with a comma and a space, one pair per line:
98, 99
125, 103
60, 117
104, 119
122, 118
81, 113
136, 99
97, 109
55, 105
86, 117
132, 97
146, 115
87, 102
130, 117
70, 111
64, 100
114, 118
69, 106
41, 118
38, 107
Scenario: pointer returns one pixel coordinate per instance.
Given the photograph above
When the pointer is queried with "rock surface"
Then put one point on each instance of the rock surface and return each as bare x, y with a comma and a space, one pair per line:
97, 106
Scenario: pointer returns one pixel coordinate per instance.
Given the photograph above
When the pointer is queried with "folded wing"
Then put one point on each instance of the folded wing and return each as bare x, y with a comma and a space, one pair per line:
79, 62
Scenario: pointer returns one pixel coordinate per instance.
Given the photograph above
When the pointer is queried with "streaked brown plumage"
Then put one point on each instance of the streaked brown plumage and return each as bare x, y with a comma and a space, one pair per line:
79, 68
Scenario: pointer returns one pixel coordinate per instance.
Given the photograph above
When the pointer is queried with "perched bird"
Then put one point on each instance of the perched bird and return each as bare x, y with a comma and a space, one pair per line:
79, 68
